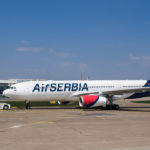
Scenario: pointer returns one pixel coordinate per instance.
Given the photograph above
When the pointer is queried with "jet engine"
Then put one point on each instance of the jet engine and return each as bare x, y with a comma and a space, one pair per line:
92, 101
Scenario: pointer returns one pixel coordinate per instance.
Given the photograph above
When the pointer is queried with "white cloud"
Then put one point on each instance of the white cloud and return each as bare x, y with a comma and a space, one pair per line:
34, 70
133, 57
123, 64
61, 54
44, 59
81, 66
29, 49
25, 42
51, 50
31, 70
64, 64
142, 59
146, 59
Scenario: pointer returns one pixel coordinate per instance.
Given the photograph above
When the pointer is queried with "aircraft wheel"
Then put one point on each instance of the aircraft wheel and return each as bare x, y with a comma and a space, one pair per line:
6, 107
28, 105
116, 107
109, 107
112, 107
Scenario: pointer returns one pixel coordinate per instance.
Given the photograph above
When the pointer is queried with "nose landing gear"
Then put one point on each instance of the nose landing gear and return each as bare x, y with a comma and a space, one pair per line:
28, 105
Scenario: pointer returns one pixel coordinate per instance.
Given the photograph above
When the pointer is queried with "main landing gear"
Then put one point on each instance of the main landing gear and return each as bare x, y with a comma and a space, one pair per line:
112, 106
28, 105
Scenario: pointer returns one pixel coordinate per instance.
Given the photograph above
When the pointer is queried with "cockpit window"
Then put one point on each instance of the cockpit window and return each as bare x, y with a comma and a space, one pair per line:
13, 87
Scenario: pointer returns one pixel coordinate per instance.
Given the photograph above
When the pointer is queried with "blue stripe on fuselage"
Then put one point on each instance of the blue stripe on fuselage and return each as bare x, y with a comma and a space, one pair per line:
139, 95
143, 94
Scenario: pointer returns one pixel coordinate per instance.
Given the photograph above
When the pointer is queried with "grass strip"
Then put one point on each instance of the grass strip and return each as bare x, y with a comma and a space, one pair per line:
37, 104
141, 102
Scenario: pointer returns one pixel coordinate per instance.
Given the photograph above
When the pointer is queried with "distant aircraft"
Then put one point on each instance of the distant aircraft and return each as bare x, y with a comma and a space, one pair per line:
89, 93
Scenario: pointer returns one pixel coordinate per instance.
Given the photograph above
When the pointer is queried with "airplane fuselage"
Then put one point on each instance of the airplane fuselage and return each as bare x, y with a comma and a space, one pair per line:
63, 90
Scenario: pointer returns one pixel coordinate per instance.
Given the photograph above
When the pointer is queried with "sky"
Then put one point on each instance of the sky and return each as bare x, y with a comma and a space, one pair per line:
62, 39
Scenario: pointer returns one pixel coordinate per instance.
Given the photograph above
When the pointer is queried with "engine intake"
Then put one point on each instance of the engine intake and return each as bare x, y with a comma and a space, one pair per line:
92, 101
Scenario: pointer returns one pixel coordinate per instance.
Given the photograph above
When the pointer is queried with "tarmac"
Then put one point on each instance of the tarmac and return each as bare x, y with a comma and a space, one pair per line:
76, 129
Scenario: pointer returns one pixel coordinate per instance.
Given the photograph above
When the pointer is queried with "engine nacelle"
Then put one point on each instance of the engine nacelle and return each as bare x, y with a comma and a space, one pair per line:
92, 101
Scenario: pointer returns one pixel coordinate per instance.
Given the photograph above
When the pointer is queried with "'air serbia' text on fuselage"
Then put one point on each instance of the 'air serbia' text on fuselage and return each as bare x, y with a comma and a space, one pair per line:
60, 87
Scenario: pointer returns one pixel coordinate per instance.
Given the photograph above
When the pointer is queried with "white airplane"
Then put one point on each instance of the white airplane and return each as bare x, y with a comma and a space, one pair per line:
89, 93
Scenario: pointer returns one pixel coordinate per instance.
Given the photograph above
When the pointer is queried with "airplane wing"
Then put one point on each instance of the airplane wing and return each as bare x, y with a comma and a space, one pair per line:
125, 91
113, 92
77, 94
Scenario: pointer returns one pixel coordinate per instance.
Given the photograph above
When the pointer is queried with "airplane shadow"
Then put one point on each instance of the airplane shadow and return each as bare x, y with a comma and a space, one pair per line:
138, 109
54, 108
134, 109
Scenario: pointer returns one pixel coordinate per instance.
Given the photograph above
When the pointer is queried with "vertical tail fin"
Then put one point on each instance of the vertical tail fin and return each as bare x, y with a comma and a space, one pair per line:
147, 84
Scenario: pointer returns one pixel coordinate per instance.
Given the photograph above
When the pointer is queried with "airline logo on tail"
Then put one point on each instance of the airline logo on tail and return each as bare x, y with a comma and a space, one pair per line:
60, 87
147, 83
